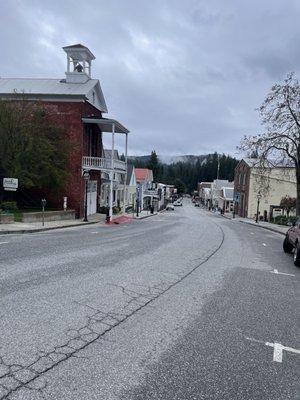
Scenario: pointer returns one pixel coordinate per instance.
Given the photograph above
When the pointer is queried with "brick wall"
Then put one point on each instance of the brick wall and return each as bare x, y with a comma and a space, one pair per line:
68, 115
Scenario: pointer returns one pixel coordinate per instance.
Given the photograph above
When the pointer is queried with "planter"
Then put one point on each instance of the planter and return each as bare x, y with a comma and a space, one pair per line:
49, 216
7, 218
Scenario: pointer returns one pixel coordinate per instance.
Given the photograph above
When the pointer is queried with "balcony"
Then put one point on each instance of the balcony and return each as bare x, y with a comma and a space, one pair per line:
150, 192
103, 164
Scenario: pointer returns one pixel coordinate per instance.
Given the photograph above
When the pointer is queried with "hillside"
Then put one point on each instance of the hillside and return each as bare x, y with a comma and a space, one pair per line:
165, 159
189, 169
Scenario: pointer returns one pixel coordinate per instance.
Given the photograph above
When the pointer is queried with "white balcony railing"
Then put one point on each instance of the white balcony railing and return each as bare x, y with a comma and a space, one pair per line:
102, 164
150, 192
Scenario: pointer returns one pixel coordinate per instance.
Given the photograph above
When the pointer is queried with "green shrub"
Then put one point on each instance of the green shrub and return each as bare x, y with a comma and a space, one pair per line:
292, 220
103, 210
281, 220
9, 206
116, 210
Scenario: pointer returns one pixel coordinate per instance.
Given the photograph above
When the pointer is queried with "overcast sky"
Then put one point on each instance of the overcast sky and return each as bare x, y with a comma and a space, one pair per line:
184, 76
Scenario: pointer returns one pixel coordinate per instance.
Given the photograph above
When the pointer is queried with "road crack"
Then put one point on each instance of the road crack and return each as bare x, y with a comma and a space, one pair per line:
14, 377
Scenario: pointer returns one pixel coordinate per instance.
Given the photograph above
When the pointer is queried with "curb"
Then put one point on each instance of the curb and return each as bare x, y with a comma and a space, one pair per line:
257, 225
145, 216
51, 228
264, 227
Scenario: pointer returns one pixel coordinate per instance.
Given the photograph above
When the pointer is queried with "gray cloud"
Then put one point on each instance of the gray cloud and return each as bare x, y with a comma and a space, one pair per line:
185, 77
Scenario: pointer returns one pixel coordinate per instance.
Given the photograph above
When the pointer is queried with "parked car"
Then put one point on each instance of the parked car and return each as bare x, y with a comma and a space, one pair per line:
292, 242
177, 203
170, 207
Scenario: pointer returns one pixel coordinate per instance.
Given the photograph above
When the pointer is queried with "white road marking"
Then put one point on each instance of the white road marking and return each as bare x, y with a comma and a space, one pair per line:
94, 232
264, 244
278, 349
275, 271
254, 340
4, 242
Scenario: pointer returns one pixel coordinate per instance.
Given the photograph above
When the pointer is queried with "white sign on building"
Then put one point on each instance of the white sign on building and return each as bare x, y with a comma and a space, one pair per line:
10, 184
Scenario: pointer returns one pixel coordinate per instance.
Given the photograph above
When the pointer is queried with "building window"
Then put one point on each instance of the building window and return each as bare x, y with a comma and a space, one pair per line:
240, 178
244, 179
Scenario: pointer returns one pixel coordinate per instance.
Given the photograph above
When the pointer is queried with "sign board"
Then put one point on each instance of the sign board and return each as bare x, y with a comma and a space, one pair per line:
10, 184
277, 212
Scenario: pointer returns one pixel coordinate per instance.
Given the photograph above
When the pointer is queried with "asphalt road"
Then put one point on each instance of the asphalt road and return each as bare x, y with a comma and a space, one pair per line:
182, 305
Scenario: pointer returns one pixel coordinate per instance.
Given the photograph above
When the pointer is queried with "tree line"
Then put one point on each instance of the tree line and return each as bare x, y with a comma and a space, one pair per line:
187, 174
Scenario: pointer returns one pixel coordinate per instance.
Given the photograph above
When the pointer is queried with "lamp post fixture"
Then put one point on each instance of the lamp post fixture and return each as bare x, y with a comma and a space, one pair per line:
257, 210
86, 177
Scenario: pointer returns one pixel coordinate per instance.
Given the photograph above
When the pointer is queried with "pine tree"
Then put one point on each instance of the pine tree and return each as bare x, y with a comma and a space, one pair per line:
154, 164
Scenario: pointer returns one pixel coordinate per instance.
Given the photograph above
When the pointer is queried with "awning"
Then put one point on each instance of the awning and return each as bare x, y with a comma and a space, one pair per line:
106, 124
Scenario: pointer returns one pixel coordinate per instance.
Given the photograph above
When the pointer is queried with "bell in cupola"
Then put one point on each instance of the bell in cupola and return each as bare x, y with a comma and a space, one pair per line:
80, 57
78, 68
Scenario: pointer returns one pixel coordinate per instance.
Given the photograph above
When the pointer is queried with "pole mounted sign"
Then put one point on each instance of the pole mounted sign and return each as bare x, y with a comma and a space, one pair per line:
10, 184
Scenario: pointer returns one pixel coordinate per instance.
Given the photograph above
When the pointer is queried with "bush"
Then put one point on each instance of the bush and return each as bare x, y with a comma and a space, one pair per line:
280, 220
116, 210
9, 206
103, 210
292, 220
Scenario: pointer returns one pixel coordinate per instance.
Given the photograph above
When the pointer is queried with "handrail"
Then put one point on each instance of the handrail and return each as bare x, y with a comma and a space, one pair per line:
102, 164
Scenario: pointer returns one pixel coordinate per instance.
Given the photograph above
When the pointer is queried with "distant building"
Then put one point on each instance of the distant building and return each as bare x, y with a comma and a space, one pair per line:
225, 200
131, 186
144, 180
216, 190
204, 193
274, 184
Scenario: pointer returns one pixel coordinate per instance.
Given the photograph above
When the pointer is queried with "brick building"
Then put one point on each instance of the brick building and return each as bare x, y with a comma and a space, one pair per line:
272, 185
76, 104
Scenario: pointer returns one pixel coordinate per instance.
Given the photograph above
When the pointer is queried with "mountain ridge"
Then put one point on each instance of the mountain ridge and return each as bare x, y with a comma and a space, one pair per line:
165, 159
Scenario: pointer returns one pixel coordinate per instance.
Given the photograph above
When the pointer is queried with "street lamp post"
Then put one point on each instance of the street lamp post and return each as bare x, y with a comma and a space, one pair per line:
86, 177
257, 210
44, 202
137, 200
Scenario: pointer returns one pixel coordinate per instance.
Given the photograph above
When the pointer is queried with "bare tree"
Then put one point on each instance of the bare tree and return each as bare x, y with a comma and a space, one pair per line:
279, 145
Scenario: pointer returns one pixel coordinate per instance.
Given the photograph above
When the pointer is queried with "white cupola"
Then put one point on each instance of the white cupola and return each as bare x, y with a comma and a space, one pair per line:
79, 60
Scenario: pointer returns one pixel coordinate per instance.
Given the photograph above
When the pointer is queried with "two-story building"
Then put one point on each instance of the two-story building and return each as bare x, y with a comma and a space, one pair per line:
144, 180
76, 104
269, 186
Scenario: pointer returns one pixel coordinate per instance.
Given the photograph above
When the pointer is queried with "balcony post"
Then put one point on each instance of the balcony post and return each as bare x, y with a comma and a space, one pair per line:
111, 175
125, 177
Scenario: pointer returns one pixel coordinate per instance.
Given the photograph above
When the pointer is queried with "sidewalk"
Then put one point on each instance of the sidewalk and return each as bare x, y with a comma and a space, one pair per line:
142, 214
21, 227
261, 224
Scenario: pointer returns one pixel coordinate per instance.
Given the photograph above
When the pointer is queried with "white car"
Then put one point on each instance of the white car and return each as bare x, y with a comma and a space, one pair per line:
170, 207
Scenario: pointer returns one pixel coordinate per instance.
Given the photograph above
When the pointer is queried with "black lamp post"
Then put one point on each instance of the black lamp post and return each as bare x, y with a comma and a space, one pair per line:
44, 202
86, 177
257, 211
